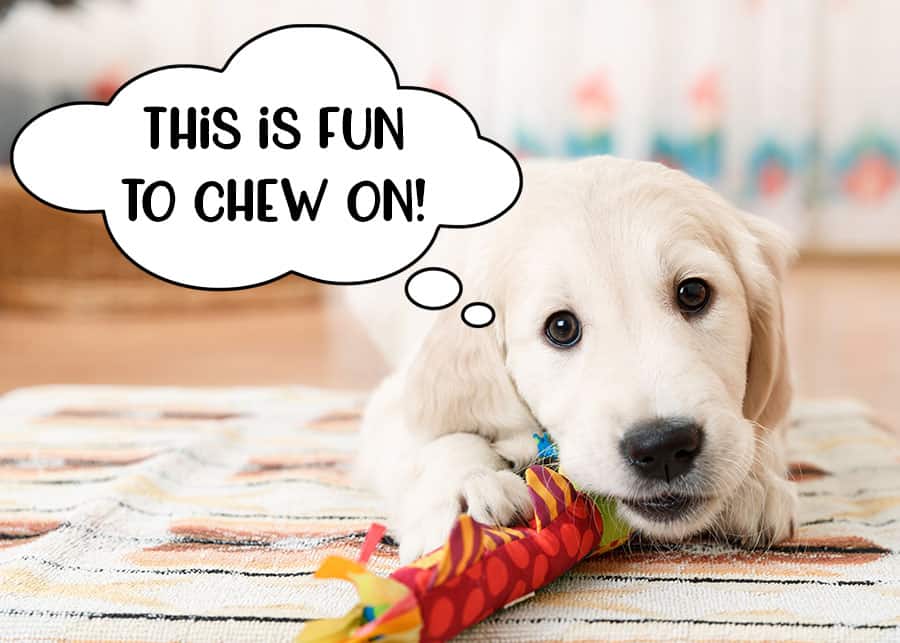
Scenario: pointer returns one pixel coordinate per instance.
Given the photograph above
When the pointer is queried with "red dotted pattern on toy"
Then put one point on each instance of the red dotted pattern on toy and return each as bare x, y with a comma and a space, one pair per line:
539, 571
504, 574
440, 617
571, 539
497, 575
518, 554
474, 606
549, 543
579, 508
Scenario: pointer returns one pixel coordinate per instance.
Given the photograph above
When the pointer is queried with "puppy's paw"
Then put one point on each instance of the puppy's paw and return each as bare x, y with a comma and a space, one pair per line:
490, 497
424, 530
496, 497
520, 450
762, 513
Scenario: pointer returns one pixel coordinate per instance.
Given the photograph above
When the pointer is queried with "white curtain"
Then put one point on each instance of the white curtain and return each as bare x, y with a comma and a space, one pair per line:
792, 107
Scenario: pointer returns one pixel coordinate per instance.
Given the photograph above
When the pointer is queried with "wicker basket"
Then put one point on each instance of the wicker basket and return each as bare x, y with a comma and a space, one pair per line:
61, 261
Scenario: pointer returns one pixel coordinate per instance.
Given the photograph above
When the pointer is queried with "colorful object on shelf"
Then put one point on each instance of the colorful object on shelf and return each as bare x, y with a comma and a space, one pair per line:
478, 571
771, 166
869, 168
698, 154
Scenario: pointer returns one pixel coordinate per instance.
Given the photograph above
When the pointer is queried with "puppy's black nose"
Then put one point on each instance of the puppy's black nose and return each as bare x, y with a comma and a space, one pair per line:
662, 448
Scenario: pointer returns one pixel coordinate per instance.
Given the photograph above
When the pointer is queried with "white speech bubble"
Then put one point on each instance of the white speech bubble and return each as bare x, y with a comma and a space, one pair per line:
424, 156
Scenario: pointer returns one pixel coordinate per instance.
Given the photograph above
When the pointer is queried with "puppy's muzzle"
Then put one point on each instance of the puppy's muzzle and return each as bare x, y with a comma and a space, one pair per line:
662, 448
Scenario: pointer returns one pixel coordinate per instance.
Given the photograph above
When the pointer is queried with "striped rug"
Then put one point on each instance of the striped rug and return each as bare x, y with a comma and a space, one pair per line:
153, 514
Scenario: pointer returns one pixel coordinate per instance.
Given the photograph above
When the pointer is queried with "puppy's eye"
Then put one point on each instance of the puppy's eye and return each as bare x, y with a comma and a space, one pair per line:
563, 329
693, 295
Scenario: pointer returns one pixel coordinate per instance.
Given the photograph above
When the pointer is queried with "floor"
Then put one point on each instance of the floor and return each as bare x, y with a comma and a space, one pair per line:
843, 329
843, 326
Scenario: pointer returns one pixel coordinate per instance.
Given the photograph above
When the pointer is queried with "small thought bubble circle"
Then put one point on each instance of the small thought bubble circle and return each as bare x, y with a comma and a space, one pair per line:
433, 288
478, 314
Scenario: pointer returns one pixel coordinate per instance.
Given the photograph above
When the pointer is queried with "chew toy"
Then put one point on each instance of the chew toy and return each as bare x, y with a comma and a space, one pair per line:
479, 570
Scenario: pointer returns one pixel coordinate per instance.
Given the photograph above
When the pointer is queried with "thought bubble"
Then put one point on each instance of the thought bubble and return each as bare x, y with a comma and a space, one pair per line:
303, 154
478, 314
433, 288
438, 288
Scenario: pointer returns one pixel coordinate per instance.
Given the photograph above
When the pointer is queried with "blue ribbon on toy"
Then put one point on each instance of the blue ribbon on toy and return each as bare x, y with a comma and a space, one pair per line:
546, 448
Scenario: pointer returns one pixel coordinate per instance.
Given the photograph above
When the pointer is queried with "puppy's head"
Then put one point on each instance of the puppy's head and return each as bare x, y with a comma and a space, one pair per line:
639, 321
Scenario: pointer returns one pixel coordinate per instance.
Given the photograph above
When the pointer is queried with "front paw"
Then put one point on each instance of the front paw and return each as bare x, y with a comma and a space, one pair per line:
490, 497
762, 513
519, 450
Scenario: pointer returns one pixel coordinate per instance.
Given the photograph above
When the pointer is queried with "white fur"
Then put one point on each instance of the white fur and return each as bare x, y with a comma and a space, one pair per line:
608, 239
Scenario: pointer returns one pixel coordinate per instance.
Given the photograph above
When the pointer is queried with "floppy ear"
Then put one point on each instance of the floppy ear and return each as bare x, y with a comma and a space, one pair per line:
458, 381
768, 394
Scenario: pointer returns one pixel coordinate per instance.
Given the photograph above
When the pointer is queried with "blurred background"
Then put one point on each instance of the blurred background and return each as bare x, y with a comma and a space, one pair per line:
789, 107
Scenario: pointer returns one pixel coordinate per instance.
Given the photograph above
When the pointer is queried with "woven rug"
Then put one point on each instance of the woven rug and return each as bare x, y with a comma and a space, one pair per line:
152, 514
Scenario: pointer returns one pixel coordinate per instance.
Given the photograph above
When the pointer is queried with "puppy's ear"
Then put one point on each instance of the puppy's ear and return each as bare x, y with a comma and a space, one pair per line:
458, 381
765, 260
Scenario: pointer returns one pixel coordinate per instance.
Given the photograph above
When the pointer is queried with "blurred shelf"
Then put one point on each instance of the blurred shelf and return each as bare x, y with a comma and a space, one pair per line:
57, 261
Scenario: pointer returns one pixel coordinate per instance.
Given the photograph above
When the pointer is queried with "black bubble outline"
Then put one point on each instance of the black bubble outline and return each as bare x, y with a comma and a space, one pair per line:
221, 70
433, 269
493, 318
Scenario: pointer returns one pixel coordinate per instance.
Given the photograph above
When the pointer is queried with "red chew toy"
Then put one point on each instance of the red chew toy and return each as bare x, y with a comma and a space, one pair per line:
478, 571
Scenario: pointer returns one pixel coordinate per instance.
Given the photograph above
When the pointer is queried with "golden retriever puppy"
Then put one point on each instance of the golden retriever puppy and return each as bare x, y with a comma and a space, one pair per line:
638, 321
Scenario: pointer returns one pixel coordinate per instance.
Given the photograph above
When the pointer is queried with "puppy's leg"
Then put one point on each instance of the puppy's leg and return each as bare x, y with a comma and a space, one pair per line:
519, 450
763, 510
426, 482
456, 473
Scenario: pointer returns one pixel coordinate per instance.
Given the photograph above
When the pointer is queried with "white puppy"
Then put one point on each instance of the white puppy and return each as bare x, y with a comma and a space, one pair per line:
639, 322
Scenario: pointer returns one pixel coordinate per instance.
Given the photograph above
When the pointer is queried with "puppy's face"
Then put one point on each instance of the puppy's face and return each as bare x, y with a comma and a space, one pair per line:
628, 330
638, 321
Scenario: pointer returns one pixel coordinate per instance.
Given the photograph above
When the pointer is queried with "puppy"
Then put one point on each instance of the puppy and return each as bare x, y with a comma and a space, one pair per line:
638, 321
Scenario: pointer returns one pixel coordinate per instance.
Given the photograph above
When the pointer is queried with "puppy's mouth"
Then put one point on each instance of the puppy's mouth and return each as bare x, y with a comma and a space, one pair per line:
665, 508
